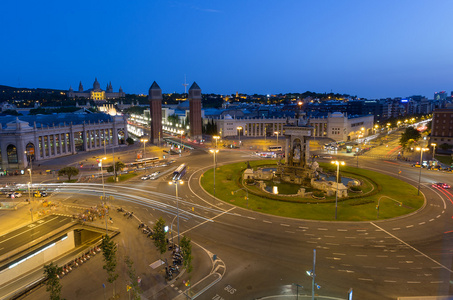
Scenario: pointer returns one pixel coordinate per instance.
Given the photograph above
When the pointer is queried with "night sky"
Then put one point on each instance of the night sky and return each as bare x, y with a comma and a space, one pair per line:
372, 49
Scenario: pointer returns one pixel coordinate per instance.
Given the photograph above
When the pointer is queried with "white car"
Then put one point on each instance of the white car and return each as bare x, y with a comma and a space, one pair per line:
146, 177
14, 195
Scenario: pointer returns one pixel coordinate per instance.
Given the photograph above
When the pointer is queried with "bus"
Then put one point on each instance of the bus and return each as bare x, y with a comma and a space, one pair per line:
179, 172
275, 148
145, 160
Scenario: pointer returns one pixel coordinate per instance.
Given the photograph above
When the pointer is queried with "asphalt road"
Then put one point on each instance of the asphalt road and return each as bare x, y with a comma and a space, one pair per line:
264, 255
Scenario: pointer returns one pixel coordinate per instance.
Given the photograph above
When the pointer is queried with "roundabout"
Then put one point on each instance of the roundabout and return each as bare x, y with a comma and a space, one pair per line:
375, 191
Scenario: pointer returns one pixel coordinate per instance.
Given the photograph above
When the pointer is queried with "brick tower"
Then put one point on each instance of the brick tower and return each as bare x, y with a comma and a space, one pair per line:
195, 111
155, 106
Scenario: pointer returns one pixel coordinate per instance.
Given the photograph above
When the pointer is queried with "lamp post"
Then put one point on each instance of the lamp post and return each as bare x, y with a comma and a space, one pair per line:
239, 128
216, 138
214, 151
421, 161
276, 132
143, 141
297, 289
338, 163
29, 195
176, 182
312, 274
434, 149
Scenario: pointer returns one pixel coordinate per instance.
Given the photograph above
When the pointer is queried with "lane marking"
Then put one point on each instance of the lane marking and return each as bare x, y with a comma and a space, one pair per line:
286, 225
265, 221
416, 250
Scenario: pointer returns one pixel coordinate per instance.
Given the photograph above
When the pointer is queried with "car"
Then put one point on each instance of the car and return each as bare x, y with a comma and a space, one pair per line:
14, 195
327, 157
146, 177
441, 185
39, 194
155, 174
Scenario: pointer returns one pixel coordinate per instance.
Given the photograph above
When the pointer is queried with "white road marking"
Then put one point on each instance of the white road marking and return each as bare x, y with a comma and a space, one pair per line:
251, 218
409, 226
265, 221
339, 254
361, 255
390, 281
342, 230
397, 228
322, 229
287, 225
365, 279
421, 223
413, 281
431, 220
329, 236
332, 244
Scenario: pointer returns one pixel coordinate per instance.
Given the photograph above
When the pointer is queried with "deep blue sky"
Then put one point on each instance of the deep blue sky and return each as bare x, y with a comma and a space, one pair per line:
372, 49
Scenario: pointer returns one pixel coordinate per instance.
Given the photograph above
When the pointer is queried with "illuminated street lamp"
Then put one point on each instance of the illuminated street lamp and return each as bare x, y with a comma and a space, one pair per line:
434, 149
338, 163
214, 151
312, 274
239, 128
421, 160
143, 141
176, 182
216, 138
276, 132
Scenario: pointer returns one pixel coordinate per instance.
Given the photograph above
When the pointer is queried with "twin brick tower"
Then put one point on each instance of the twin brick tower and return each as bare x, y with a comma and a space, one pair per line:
155, 104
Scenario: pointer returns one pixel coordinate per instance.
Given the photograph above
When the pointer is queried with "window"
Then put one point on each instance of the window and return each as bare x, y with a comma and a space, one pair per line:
11, 153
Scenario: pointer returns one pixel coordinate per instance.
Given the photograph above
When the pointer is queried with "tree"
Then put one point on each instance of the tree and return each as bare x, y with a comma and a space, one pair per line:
119, 166
135, 287
409, 134
68, 171
53, 285
109, 252
130, 141
186, 251
160, 236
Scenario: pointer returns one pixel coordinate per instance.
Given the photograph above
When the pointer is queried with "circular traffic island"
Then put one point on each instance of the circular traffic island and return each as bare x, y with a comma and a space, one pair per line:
377, 196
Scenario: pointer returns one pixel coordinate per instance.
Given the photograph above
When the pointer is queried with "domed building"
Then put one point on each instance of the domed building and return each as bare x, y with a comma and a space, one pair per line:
96, 93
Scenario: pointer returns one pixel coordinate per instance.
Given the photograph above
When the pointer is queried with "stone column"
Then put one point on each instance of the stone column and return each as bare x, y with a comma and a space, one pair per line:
54, 144
286, 149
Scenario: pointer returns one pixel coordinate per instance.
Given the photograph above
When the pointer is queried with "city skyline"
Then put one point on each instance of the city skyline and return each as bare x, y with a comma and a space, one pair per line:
369, 50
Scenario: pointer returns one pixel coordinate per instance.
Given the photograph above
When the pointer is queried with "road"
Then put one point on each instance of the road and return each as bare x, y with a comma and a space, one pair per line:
264, 255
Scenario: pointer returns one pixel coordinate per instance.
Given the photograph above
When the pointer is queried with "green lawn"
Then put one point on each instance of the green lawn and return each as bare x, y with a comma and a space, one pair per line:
122, 177
362, 208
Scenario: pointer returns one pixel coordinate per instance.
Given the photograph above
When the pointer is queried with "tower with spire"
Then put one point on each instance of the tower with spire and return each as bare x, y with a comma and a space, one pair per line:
195, 111
155, 106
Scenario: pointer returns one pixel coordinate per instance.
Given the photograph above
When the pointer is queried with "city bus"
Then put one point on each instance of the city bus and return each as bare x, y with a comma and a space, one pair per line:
179, 172
275, 148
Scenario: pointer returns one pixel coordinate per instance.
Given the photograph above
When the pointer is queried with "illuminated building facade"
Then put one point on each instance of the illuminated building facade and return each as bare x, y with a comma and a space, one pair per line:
96, 93
42, 137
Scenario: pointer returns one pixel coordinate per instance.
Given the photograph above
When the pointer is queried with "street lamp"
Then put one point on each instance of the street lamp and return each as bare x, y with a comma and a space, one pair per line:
143, 141
434, 149
421, 161
216, 138
214, 151
176, 182
312, 274
29, 195
276, 132
239, 128
338, 163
